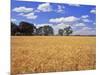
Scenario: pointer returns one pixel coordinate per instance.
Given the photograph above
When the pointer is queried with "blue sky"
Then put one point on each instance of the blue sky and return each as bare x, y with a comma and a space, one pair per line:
82, 18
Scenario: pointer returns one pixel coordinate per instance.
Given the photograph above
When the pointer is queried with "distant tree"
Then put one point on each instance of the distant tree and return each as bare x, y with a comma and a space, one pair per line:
68, 30
48, 30
60, 32
34, 30
45, 30
14, 29
40, 31
27, 28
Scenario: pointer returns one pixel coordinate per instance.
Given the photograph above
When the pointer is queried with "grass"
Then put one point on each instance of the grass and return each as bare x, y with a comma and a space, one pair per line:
34, 54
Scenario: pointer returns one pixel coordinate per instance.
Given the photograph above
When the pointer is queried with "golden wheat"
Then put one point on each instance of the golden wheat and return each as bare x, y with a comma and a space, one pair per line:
32, 54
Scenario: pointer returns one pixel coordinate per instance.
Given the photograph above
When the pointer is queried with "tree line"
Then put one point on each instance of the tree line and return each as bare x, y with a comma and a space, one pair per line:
27, 29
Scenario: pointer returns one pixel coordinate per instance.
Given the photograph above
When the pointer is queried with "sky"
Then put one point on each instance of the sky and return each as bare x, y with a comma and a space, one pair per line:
82, 18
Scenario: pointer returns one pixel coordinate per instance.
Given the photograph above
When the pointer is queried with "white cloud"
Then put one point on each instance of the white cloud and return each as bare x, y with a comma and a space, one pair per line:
64, 19
59, 26
84, 16
86, 28
45, 7
21, 14
13, 20
35, 11
93, 11
86, 20
85, 31
29, 15
77, 5
60, 9
22, 9
40, 25
79, 25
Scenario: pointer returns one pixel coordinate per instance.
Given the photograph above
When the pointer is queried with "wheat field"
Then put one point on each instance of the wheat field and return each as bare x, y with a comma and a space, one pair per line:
34, 54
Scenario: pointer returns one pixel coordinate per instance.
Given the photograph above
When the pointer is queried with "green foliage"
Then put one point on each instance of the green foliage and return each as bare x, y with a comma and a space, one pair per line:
14, 28
25, 28
45, 30
66, 31
60, 32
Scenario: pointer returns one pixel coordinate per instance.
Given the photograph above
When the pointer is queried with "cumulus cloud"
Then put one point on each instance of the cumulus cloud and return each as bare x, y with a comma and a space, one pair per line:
22, 9
60, 9
84, 16
85, 31
40, 25
45, 7
29, 15
79, 25
77, 5
13, 20
93, 11
86, 20
64, 19
86, 28
60, 26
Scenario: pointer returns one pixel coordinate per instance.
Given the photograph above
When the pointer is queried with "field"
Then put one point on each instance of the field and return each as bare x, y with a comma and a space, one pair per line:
33, 54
